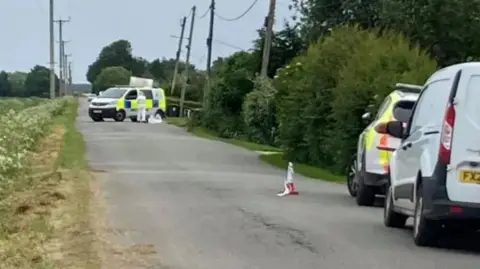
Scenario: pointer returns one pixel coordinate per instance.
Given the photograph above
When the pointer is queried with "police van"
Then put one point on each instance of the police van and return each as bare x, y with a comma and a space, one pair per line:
368, 172
120, 102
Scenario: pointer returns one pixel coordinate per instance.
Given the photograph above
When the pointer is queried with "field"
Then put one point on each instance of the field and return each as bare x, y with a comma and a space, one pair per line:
44, 187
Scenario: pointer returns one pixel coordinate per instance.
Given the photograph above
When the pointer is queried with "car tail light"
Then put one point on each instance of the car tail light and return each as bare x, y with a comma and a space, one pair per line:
447, 134
381, 128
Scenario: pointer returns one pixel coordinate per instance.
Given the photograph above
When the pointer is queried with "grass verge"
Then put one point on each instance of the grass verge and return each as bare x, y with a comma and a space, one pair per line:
279, 161
45, 221
276, 159
204, 133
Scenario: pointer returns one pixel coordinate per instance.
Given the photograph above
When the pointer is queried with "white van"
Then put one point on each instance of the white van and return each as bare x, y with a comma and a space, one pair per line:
435, 173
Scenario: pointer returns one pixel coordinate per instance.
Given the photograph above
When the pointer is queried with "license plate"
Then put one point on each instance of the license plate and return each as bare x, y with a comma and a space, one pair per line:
97, 111
467, 176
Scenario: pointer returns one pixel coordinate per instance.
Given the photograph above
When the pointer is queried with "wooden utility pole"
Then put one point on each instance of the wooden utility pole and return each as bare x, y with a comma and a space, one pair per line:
52, 51
207, 89
61, 56
179, 51
268, 38
187, 62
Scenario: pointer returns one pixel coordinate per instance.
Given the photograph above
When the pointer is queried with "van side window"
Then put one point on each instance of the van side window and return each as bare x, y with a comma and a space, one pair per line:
430, 108
131, 95
148, 94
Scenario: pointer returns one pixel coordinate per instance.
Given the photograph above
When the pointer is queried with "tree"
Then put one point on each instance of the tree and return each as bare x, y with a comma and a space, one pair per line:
111, 76
286, 44
37, 82
17, 79
5, 85
232, 81
118, 53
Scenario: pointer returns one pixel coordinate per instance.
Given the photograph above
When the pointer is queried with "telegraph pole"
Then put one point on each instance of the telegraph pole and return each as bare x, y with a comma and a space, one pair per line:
61, 55
268, 38
52, 52
70, 75
187, 61
206, 91
179, 51
65, 71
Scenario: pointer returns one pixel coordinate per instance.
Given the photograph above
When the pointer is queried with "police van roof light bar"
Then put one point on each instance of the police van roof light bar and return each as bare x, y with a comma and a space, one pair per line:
408, 88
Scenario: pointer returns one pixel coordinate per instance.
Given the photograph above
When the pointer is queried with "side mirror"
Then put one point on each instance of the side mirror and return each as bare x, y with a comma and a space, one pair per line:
367, 116
396, 129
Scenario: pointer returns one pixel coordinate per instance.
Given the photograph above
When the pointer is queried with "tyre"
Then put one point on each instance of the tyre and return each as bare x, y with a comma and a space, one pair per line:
351, 173
120, 116
390, 217
365, 194
134, 119
160, 113
425, 231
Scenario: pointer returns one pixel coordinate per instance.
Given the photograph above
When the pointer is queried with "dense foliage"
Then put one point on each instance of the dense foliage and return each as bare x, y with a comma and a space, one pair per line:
20, 84
21, 129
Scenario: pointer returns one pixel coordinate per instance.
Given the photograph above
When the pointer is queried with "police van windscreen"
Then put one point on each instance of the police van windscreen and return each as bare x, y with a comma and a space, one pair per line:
113, 93
403, 110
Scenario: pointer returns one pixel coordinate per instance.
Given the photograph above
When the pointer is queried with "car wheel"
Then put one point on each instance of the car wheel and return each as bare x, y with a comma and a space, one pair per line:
390, 217
134, 119
424, 230
120, 116
365, 194
351, 174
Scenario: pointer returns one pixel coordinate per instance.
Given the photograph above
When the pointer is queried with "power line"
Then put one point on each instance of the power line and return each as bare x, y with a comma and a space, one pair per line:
241, 15
227, 44
206, 13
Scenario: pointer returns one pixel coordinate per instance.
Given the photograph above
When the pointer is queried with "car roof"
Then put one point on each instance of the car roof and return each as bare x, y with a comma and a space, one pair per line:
450, 71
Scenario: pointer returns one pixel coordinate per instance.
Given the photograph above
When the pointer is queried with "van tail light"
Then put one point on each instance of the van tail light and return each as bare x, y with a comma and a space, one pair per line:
381, 128
447, 134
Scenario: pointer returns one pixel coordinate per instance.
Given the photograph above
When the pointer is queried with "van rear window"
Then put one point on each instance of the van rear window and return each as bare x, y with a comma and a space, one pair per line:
403, 110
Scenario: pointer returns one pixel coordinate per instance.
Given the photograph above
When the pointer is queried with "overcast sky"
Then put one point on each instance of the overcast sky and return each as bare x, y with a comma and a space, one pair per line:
147, 24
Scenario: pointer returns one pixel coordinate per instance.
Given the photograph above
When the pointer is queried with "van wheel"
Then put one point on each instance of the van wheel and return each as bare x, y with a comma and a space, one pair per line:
134, 119
424, 230
390, 217
365, 194
352, 173
120, 116
160, 113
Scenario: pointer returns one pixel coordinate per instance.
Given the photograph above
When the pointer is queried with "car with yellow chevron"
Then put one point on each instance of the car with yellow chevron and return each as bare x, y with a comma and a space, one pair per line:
120, 102
367, 174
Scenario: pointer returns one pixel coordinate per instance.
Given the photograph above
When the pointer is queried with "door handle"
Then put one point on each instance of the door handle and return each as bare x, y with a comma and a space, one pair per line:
406, 146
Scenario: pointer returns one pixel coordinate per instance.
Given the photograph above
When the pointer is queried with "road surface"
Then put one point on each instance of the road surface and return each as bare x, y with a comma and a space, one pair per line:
206, 204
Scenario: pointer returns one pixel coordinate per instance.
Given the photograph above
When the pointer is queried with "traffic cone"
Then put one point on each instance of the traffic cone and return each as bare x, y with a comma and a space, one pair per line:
288, 182
292, 190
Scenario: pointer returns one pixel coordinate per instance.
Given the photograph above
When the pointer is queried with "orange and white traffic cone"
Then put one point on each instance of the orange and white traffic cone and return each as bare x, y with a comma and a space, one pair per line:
289, 185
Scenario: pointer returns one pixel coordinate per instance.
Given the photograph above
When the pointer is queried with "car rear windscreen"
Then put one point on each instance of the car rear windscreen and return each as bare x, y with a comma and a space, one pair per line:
402, 110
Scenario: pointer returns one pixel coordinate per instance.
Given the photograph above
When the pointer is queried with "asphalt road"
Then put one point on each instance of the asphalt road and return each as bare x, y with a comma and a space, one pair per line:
207, 204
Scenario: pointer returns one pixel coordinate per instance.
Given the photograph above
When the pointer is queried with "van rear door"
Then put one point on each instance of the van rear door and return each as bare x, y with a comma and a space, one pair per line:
463, 179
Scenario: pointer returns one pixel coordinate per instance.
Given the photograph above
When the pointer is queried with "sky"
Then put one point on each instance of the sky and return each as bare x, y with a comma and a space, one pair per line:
147, 24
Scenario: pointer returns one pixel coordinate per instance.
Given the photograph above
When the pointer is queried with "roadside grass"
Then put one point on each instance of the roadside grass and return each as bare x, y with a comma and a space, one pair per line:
268, 154
45, 221
279, 161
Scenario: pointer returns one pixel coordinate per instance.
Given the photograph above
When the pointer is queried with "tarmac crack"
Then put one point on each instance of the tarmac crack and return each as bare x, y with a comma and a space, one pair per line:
295, 236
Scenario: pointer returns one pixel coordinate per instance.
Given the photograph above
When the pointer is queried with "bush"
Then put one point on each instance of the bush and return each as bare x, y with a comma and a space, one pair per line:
323, 93
305, 93
259, 112
379, 63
